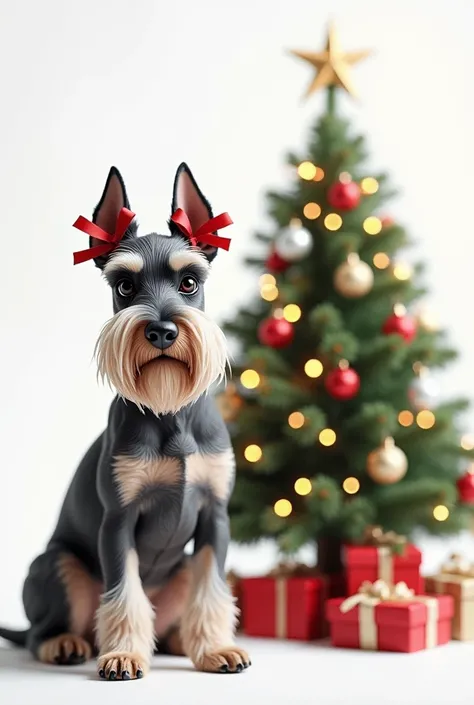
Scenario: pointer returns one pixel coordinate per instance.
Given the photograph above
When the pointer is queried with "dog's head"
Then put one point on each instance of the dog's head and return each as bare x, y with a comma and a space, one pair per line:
159, 350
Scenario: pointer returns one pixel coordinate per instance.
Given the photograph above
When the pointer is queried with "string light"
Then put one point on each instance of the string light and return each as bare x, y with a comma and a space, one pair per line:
269, 292
319, 176
253, 453
381, 260
425, 419
345, 177
351, 485
312, 211
267, 279
292, 313
250, 379
282, 508
314, 368
402, 271
369, 185
278, 313
441, 512
333, 221
307, 171
372, 225
303, 486
296, 419
405, 418
467, 442
327, 437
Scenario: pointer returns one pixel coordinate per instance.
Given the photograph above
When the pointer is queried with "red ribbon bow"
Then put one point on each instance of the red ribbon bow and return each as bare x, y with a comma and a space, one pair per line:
204, 235
124, 219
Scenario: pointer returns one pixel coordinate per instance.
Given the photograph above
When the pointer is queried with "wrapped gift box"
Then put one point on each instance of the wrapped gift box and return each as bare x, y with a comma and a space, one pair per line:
461, 588
284, 607
382, 563
409, 625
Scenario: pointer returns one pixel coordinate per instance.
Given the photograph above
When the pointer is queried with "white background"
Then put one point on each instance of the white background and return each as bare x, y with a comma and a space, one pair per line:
144, 85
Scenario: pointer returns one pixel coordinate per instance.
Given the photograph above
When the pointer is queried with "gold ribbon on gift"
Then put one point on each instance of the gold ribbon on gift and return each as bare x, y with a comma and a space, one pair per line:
387, 544
456, 578
281, 573
372, 594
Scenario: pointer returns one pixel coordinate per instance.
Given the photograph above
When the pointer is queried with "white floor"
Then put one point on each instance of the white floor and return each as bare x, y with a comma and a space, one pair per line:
282, 673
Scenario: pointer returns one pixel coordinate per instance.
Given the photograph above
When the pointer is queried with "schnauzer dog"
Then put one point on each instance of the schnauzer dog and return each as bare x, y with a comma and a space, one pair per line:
115, 576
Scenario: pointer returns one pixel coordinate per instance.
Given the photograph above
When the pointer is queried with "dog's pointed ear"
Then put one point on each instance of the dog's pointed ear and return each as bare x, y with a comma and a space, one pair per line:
188, 196
113, 199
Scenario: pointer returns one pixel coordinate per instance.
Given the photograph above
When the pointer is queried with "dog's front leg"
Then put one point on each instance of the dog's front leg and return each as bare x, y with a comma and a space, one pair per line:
208, 624
125, 616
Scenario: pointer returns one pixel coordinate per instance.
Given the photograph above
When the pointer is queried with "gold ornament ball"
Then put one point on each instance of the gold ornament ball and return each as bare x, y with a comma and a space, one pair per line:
353, 278
387, 464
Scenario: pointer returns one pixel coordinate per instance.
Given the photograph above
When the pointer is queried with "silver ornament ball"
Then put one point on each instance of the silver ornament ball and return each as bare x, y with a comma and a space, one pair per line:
294, 243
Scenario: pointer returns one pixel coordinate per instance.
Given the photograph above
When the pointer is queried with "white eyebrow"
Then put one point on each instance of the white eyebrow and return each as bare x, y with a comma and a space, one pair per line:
186, 258
125, 260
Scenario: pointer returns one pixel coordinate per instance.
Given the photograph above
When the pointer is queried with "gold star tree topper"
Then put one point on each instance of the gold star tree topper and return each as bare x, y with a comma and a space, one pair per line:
332, 65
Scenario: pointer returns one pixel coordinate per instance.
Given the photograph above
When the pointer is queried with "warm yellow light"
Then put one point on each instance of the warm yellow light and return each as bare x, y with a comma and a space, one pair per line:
292, 313
402, 271
253, 453
250, 379
267, 280
283, 508
312, 211
440, 512
303, 486
381, 260
425, 419
296, 419
278, 313
333, 221
313, 368
467, 442
345, 177
269, 292
319, 176
405, 418
372, 225
369, 185
351, 485
307, 171
327, 437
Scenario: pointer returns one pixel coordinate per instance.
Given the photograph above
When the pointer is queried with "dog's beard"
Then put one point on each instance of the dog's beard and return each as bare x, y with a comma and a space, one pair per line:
161, 382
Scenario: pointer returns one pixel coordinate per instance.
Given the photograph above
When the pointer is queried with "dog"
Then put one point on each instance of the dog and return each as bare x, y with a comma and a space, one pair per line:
115, 577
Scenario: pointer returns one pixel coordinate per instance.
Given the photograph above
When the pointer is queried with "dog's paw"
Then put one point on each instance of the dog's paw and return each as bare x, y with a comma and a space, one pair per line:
231, 659
121, 665
65, 650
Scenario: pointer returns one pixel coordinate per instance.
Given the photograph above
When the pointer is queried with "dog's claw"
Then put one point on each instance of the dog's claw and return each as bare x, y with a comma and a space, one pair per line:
139, 673
239, 668
101, 673
125, 676
112, 676
224, 668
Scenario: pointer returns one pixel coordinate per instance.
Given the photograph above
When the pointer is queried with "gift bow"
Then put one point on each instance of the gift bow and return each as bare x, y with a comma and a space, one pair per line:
205, 234
287, 569
379, 591
458, 565
376, 536
124, 219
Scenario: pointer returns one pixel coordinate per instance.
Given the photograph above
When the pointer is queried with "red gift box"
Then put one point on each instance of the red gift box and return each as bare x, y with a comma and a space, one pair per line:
283, 607
381, 563
408, 625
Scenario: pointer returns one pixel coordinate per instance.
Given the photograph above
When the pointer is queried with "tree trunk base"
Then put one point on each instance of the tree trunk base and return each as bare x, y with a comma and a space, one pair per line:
330, 555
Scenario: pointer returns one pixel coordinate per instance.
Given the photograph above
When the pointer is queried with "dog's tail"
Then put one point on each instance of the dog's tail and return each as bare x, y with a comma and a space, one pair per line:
17, 637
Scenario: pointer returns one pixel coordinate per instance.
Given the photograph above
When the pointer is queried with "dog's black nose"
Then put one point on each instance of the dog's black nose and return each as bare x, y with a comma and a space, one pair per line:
161, 334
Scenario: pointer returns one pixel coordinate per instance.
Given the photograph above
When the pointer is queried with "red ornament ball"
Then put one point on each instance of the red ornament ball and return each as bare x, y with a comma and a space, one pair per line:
344, 196
275, 332
276, 264
387, 221
401, 325
465, 486
342, 383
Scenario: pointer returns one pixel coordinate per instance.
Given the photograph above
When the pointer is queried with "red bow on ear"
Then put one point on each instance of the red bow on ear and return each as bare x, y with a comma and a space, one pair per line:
124, 219
204, 234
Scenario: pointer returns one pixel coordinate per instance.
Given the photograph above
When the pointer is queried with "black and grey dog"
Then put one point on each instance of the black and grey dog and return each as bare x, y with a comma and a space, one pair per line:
115, 576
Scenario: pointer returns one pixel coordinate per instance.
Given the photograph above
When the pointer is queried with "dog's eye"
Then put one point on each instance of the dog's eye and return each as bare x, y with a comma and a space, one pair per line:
188, 286
125, 288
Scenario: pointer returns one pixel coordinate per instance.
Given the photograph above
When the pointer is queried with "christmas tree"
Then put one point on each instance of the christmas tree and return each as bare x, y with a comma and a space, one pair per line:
334, 411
